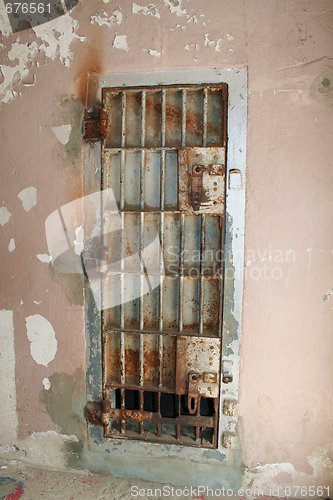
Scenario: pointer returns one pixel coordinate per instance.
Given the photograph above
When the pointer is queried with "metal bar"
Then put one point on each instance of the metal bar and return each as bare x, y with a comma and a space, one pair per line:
198, 428
142, 220
158, 425
181, 273
141, 406
204, 117
178, 399
138, 149
122, 204
221, 277
147, 416
202, 254
161, 235
184, 96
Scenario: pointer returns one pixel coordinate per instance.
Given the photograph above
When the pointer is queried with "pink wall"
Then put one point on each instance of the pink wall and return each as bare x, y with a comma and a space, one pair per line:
286, 348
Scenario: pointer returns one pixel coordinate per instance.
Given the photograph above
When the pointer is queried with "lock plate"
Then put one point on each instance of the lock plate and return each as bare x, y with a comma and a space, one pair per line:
201, 180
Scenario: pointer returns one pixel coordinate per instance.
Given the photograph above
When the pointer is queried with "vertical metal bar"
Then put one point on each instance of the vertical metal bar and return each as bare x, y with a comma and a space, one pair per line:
198, 429
142, 215
161, 235
216, 414
221, 277
184, 97
141, 407
122, 204
159, 426
182, 226
204, 117
178, 399
181, 273
202, 255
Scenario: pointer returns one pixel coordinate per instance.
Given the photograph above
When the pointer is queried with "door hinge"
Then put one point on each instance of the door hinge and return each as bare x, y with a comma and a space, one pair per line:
96, 125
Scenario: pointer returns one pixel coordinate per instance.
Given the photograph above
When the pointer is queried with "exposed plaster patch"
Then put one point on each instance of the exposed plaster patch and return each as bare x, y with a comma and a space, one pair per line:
62, 133
101, 18
41, 334
192, 19
8, 415
328, 295
191, 46
22, 55
5, 27
44, 257
46, 384
11, 245
153, 52
147, 10
280, 476
5, 215
58, 36
229, 37
28, 197
212, 43
79, 240
175, 7
47, 448
120, 42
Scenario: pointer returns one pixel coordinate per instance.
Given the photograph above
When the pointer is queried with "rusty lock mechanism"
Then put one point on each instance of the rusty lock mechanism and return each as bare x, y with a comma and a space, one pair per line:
201, 384
196, 186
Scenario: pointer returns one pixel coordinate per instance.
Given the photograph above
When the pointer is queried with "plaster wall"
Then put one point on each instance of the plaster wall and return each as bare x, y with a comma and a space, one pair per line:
286, 347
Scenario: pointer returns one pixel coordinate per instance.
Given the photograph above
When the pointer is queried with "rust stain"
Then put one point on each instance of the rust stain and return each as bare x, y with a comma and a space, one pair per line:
132, 364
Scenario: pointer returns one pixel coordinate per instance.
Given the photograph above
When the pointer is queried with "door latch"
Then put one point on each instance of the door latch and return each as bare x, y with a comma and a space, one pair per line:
201, 384
196, 186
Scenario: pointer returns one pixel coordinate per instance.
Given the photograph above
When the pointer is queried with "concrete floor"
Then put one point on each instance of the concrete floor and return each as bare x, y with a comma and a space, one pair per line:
21, 481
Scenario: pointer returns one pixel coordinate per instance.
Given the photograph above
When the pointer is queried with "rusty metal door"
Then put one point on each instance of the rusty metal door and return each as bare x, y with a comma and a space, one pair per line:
164, 156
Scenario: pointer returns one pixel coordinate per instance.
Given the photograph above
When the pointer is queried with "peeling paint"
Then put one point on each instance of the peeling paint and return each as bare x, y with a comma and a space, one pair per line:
43, 343
46, 384
101, 18
278, 477
22, 55
120, 42
79, 240
5, 27
147, 10
328, 295
193, 46
58, 36
11, 245
62, 133
28, 197
8, 414
175, 7
153, 52
5, 215
212, 43
44, 257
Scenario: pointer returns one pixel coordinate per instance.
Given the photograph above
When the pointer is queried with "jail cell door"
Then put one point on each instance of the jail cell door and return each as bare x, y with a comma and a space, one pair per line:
164, 156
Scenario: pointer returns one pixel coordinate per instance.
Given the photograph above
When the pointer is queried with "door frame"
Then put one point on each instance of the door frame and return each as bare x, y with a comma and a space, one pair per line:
191, 466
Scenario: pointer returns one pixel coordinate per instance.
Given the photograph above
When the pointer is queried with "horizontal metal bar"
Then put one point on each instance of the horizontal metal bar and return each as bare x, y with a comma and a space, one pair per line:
147, 416
163, 439
171, 332
157, 149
